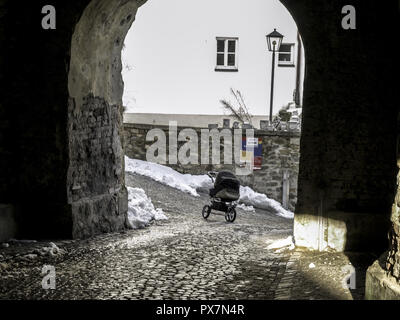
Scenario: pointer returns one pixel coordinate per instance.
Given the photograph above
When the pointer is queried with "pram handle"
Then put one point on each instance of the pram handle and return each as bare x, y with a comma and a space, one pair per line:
212, 175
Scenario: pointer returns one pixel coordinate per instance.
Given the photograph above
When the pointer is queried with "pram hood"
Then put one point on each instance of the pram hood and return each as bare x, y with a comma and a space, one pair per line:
226, 186
227, 179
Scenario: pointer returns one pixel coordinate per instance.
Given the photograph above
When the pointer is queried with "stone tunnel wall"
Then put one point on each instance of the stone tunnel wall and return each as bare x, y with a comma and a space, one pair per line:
33, 118
96, 174
61, 118
281, 153
347, 171
393, 256
95, 184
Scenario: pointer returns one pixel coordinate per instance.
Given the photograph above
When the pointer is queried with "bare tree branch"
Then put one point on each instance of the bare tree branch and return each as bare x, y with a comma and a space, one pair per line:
241, 113
247, 113
228, 106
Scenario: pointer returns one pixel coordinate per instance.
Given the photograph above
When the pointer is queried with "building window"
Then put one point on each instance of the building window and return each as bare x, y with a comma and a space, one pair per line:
227, 54
286, 55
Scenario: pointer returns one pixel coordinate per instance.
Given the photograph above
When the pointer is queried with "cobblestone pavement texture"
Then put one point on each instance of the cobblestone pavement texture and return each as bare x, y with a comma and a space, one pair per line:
184, 257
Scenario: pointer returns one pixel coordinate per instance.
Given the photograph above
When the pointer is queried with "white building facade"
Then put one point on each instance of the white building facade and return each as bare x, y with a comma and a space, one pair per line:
184, 56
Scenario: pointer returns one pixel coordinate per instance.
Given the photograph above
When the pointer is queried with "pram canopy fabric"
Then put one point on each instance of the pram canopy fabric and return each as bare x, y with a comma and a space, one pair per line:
226, 187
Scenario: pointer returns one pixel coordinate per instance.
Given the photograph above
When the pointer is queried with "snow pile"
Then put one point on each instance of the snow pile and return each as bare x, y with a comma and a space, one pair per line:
282, 244
141, 210
191, 183
250, 197
246, 208
165, 175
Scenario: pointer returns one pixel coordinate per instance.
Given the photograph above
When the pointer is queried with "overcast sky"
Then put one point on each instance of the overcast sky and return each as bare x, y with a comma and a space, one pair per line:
170, 51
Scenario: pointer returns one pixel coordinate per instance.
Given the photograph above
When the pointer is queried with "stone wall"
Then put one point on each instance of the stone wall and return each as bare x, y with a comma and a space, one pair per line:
281, 152
95, 185
347, 174
383, 277
96, 176
393, 259
33, 117
393, 256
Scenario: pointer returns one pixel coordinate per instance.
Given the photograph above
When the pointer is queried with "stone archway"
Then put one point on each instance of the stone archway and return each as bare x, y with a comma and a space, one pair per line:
57, 183
347, 178
339, 204
348, 142
95, 183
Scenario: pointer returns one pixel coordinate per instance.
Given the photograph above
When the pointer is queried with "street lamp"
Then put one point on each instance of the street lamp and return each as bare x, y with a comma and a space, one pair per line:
274, 40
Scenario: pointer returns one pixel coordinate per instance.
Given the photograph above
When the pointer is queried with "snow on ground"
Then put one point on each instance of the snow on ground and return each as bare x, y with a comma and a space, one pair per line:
141, 210
191, 183
258, 200
165, 175
246, 208
282, 244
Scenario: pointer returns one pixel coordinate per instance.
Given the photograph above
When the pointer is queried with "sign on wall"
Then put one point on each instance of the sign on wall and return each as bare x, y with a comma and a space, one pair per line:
252, 149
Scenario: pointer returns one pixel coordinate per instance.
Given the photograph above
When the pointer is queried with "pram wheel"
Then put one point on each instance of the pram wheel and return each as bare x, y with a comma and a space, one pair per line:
230, 215
206, 211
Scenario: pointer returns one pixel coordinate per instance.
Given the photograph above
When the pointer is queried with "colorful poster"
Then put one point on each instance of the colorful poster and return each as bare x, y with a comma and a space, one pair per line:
252, 149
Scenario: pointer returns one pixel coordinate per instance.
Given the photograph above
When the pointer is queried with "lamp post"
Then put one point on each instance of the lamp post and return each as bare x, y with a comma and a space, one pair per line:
274, 40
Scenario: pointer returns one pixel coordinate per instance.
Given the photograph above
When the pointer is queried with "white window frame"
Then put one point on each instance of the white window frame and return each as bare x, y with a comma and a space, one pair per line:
225, 67
287, 63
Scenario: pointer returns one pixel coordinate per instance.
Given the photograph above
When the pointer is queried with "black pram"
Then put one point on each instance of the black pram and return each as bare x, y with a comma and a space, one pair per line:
226, 190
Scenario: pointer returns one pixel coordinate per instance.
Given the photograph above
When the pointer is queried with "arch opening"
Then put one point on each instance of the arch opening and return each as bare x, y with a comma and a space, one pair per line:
172, 74
337, 199
95, 112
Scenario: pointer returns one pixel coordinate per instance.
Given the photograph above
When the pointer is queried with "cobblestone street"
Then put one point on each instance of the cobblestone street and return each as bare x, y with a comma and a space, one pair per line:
184, 257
